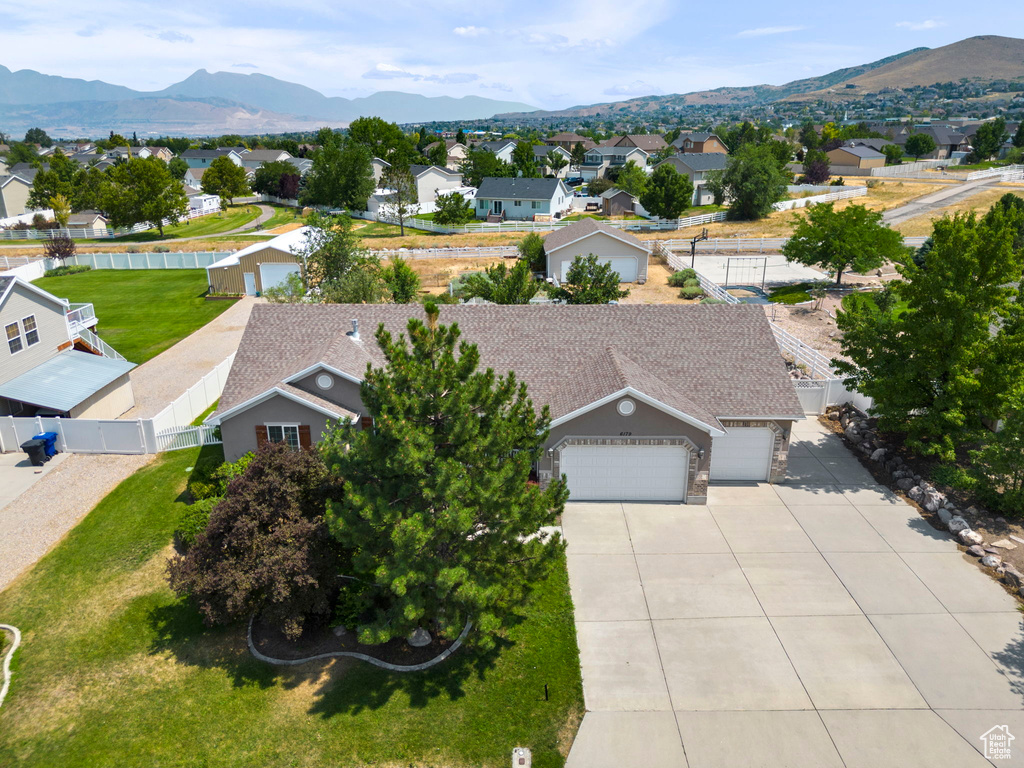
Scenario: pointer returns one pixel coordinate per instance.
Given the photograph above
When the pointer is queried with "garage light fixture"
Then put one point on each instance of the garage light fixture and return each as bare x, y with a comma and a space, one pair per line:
700, 453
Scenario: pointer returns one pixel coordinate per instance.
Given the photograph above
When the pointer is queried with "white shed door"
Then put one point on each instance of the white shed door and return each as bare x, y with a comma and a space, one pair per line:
624, 265
625, 472
250, 283
743, 453
273, 275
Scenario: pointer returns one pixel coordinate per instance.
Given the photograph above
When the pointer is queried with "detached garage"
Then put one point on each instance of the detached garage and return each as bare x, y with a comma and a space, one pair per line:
259, 266
626, 254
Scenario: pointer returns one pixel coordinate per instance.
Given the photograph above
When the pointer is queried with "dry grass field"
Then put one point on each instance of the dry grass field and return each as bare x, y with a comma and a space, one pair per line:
979, 203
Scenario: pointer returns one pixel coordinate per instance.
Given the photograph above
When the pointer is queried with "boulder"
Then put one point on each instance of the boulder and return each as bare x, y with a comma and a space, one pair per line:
1003, 544
957, 524
932, 500
339, 631
916, 493
851, 433
1013, 577
878, 454
991, 561
419, 638
945, 516
967, 536
976, 550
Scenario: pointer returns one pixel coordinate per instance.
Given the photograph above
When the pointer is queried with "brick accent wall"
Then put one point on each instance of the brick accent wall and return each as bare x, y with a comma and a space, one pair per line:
780, 450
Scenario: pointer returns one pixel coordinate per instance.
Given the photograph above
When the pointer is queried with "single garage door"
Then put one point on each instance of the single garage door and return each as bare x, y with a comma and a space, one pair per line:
625, 472
273, 275
624, 265
743, 453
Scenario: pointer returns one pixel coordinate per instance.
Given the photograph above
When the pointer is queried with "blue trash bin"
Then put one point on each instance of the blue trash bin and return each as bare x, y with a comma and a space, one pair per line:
50, 439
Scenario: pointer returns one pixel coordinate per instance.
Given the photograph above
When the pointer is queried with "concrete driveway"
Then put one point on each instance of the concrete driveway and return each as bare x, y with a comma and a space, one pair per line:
750, 268
813, 624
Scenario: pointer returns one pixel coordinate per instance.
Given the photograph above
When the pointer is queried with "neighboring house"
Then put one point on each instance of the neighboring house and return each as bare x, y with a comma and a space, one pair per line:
14, 191
259, 266
650, 143
432, 180
201, 203
302, 164
502, 149
254, 158
89, 220
522, 199
163, 153
647, 403
699, 142
617, 202
854, 161
876, 144
569, 140
379, 166
947, 140
627, 255
598, 161
456, 152
540, 154
201, 158
47, 366
194, 177
697, 166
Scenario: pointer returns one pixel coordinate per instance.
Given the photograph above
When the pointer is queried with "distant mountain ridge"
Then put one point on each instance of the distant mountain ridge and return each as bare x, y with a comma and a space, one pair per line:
204, 102
986, 57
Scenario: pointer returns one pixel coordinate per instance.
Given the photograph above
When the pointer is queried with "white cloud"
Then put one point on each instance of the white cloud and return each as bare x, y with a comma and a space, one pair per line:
244, 66
170, 36
764, 31
391, 72
921, 26
387, 72
471, 31
498, 87
636, 88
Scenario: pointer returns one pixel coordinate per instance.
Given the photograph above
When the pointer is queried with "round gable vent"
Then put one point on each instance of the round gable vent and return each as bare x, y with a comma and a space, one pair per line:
324, 381
626, 407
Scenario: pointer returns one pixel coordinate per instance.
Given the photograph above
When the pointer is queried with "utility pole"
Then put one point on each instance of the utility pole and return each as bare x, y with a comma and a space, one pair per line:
693, 246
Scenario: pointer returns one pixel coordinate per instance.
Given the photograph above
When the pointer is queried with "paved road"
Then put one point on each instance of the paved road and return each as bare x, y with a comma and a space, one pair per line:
821, 623
944, 197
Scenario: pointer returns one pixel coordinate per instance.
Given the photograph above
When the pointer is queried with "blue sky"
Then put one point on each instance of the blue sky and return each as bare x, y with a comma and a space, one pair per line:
549, 54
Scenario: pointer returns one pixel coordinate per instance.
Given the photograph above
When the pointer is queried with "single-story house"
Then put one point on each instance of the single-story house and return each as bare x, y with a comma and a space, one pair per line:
854, 161
628, 255
947, 140
540, 155
201, 158
522, 199
699, 142
876, 144
617, 202
697, 166
597, 161
647, 402
259, 266
44, 366
254, 158
90, 220
163, 153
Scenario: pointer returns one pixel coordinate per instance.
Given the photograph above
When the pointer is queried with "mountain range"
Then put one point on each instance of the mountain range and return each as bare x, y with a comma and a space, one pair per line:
211, 103
980, 59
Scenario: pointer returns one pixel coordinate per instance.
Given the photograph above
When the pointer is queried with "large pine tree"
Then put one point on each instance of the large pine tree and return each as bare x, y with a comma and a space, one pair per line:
437, 506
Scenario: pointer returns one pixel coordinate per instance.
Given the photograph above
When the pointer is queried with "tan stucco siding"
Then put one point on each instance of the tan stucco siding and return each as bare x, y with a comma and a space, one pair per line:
107, 403
51, 323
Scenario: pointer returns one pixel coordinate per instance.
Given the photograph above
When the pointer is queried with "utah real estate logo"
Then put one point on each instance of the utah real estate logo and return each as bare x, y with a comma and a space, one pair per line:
997, 742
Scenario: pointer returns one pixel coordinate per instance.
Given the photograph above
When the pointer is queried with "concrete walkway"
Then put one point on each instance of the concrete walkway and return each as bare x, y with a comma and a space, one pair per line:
814, 624
944, 197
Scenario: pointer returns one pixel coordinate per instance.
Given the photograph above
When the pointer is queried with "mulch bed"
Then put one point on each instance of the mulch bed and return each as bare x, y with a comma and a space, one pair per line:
270, 642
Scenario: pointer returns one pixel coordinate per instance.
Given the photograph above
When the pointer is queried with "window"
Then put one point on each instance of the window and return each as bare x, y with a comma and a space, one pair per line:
284, 433
31, 332
517, 203
13, 337
535, 204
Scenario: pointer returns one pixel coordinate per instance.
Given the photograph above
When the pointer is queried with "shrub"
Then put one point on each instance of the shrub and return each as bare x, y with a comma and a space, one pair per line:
872, 183
709, 300
691, 292
351, 606
678, 279
691, 282
74, 269
60, 248
132, 249
840, 182
194, 520
161, 249
955, 477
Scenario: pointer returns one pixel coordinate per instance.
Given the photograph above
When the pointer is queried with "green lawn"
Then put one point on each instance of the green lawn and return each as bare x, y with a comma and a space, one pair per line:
283, 214
114, 670
868, 298
141, 312
791, 294
215, 223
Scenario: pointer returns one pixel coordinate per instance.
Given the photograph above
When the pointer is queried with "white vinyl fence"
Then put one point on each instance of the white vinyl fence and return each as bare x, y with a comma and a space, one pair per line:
176, 260
1005, 173
83, 233
910, 169
169, 430
802, 202
749, 244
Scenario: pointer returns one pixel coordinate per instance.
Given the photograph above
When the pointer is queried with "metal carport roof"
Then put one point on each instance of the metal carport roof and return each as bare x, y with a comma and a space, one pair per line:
64, 381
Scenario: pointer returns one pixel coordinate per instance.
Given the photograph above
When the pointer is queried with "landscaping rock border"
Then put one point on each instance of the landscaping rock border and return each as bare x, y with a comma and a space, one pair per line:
7, 659
361, 656
860, 433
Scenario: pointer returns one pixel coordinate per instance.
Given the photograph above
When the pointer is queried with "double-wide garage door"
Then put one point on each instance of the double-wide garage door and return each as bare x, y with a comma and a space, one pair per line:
743, 453
625, 472
626, 266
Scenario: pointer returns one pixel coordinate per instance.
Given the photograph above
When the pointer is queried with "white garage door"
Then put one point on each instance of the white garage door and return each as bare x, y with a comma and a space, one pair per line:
624, 265
743, 453
625, 472
272, 275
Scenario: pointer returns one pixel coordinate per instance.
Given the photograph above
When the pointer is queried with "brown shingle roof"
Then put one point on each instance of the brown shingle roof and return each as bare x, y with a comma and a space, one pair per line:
584, 227
704, 360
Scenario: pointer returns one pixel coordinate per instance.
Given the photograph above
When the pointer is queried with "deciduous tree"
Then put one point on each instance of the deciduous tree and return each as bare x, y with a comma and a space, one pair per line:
836, 241
632, 179
919, 144
555, 161
142, 190
668, 193
225, 179
402, 280
752, 182
893, 154
988, 139
38, 136
436, 507
816, 167
452, 209
589, 281
501, 285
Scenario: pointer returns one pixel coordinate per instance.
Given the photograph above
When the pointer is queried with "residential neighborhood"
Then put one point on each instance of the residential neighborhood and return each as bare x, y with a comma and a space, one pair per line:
683, 430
